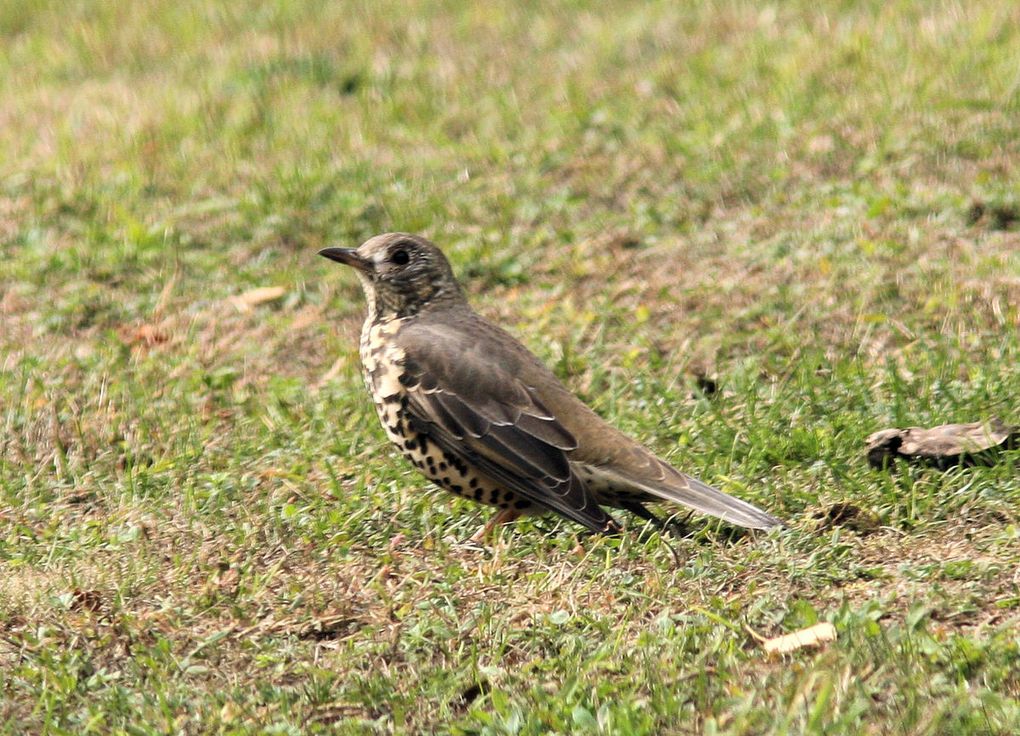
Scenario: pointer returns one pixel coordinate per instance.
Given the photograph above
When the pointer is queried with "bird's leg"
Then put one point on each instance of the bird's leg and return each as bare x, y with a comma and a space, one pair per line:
503, 516
641, 512
670, 526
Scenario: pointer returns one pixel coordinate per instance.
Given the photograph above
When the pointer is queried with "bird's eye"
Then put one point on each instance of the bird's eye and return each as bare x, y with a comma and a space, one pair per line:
400, 257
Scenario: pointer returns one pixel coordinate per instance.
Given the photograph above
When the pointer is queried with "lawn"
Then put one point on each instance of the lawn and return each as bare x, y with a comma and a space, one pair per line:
813, 206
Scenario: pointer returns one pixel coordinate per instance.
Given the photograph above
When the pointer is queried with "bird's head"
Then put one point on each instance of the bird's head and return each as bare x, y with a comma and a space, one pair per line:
401, 274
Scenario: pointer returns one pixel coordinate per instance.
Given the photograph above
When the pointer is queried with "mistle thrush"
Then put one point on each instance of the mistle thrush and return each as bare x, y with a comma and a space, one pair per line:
482, 417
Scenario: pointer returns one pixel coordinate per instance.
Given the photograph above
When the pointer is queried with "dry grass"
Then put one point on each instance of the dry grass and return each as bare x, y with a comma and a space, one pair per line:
201, 527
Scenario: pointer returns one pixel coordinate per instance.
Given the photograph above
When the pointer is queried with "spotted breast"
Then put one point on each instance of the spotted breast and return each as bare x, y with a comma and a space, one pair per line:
383, 363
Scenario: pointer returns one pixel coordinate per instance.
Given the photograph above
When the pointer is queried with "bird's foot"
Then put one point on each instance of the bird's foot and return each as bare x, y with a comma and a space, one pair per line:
677, 528
503, 516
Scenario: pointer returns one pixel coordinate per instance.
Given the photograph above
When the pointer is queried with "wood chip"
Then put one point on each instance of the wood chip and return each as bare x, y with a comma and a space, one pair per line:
253, 297
812, 636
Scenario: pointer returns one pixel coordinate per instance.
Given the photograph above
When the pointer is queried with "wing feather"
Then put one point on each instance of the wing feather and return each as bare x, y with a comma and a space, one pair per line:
477, 410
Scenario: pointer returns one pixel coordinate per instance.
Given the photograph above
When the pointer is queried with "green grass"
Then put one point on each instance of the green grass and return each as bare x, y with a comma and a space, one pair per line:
202, 529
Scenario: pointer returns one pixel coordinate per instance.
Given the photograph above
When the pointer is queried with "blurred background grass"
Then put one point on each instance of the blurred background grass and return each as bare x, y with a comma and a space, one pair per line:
817, 203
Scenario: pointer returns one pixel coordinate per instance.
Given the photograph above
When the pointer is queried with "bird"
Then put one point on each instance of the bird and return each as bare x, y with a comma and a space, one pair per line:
483, 418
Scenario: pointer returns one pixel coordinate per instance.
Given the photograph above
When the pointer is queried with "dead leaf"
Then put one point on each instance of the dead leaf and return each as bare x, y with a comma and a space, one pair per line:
812, 636
144, 335
943, 446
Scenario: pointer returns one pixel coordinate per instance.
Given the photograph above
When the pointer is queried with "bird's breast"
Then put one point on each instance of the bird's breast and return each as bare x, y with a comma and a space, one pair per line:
381, 359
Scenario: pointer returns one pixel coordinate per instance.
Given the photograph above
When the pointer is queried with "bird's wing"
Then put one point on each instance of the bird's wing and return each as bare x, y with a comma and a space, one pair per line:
474, 407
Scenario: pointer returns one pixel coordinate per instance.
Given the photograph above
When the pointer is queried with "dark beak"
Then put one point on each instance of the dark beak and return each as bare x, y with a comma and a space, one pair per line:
347, 256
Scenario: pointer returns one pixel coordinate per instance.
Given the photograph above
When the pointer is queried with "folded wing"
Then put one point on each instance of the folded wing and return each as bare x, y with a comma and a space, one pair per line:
474, 408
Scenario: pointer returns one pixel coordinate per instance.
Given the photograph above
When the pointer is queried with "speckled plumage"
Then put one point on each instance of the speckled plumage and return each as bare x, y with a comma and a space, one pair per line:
479, 415
384, 364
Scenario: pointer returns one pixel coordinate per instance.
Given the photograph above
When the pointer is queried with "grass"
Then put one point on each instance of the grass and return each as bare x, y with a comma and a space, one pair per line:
202, 529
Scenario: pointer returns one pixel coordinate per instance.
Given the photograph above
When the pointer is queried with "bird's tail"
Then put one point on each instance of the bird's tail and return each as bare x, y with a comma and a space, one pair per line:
691, 492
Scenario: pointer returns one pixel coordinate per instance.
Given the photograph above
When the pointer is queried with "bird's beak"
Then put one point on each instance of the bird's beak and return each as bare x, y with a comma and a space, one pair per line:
347, 256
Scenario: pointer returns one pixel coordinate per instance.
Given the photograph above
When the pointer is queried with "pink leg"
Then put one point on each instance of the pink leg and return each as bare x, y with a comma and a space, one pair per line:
503, 516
